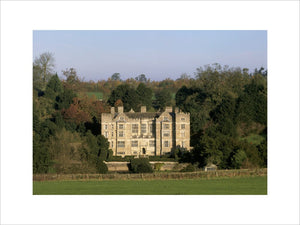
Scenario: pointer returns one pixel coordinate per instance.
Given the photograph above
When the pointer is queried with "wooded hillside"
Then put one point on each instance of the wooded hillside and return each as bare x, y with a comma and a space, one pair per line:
228, 108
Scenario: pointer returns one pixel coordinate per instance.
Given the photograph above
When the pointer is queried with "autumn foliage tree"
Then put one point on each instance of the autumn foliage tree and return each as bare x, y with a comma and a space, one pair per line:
83, 110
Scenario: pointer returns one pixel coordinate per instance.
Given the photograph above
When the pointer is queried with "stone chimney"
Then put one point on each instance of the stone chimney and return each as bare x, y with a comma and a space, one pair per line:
143, 109
168, 109
176, 110
120, 109
112, 110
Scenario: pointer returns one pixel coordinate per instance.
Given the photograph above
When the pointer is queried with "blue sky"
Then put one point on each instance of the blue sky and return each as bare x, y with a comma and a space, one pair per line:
160, 54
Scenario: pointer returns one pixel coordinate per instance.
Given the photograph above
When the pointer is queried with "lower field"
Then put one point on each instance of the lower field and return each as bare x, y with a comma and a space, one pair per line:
98, 95
256, 185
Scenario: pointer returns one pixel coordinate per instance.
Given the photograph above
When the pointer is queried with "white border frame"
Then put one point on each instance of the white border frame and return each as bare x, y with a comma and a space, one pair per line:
279, 18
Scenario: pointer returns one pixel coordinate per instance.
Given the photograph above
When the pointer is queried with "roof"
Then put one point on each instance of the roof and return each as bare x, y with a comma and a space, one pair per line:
142, 115
211, 165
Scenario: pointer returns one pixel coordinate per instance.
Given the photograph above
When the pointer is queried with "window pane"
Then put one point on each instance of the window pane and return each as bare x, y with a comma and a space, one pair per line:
151, 143
151, 128
166, 126
121, 144
166, 144
135, 128
121, 153
134, 143
143, 128
166, 134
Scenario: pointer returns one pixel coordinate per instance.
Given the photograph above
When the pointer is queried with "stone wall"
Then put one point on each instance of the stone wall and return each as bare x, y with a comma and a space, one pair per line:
123, 166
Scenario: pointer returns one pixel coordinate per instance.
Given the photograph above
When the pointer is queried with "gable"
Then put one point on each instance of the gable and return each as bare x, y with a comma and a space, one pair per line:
165, 116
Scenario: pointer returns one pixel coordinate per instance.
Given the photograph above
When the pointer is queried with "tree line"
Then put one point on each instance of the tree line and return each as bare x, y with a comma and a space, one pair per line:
228, 108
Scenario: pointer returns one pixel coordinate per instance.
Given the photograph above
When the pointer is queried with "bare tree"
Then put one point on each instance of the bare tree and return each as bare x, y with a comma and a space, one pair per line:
44, 67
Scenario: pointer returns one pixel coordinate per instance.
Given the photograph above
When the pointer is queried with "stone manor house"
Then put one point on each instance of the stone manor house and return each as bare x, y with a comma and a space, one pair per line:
146, 133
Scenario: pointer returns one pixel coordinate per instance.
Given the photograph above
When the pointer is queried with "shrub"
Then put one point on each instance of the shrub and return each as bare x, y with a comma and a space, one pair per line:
128, 157
238, 158
162, 158
188, 168
115, 158
140, 166
109, 154
157, 166
101, 167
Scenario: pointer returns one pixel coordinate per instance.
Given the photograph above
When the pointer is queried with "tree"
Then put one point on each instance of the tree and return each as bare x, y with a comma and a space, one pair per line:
224, 116
103, 154
211, 148
145, 95
43, 108
103, 146
41, 156
263, 152
127, 95
184, 76
53, 88
116, 77
101, 167
163, 99
141, 78
75, 114
252, 104
91, 148
37, 78
85, 110
43, 68
130, 100
261, 71
238, 158
65, 99
118, 103
72, 79
195, 101
64, 149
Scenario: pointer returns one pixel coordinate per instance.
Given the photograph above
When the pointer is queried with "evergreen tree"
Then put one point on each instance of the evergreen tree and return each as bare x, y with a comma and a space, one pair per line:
163, 99
145, 95
53, 88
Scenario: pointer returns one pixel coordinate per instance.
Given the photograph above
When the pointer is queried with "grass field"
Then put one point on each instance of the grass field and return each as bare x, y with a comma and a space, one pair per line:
98, 95
217, 186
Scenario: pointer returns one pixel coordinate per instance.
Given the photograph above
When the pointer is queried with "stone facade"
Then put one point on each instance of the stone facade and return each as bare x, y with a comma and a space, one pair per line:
145, 133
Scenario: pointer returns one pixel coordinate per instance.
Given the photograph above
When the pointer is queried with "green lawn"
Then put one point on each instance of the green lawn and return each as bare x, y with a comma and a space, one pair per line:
98, 95
216, 186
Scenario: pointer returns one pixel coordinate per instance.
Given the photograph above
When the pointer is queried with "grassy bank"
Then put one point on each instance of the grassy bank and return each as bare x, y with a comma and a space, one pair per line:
255, 185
